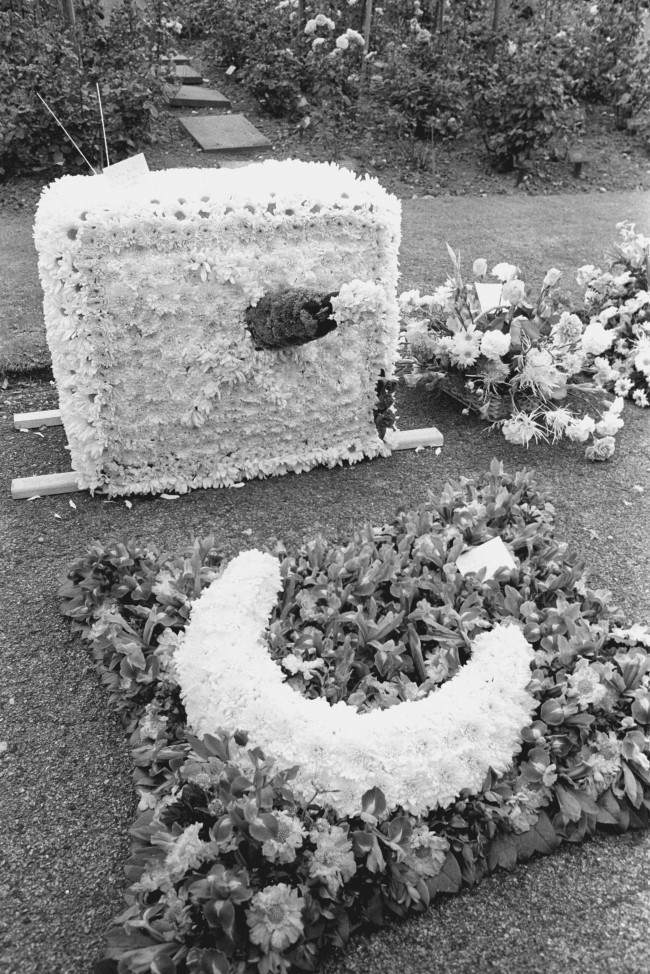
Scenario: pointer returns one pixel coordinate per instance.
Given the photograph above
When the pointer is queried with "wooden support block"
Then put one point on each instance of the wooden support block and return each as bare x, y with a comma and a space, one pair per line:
49, 483
413, 439
30, 421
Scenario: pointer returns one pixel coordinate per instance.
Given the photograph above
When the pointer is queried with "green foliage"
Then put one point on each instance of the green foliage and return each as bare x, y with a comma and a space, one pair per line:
213, 810
45, 56
521, 98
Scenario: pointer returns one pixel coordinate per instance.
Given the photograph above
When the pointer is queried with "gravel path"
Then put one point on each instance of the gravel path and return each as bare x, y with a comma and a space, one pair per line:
65, 797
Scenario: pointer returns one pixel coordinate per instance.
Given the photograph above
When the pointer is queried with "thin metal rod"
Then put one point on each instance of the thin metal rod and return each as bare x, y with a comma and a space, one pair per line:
62, 126
101, 115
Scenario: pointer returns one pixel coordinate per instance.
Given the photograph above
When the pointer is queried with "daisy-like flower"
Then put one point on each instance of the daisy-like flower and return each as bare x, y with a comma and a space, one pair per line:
504, 272
622, 386
464, 348
584, 686
289, 838
521, 429
275, 917
333, 860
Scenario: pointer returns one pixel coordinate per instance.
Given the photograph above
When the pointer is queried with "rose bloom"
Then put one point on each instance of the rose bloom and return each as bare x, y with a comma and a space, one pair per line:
513, 291
504, 272
601, 449
479, 267
552, 277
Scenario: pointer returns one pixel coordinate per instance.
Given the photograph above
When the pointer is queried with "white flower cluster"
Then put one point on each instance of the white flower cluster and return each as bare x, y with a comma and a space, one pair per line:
145, 293
421, 754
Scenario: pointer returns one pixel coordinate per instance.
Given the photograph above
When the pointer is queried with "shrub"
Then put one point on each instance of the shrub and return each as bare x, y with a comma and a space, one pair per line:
64, 72
521, 97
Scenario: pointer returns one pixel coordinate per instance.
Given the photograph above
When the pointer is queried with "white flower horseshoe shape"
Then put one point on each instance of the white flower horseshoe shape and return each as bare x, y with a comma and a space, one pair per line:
421, 754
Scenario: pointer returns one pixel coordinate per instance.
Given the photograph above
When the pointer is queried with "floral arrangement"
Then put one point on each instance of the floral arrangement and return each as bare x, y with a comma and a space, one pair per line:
228, 680
619, 300
520, 364
234, 868
146, 291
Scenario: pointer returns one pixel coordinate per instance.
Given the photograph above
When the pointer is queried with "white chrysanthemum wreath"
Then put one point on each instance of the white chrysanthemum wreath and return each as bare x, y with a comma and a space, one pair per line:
421, 754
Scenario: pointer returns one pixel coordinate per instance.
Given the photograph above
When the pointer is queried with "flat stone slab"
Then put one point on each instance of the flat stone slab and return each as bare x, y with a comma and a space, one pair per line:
185, 75
192, 96
177, 59
220, 133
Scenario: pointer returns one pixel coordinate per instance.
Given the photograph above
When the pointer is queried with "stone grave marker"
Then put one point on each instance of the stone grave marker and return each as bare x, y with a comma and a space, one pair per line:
193, 96
186, 75
221, 133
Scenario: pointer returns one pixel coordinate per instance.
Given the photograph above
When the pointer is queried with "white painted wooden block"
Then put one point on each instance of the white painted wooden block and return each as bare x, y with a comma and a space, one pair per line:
49, 483
491, 555
413, 439
30, 421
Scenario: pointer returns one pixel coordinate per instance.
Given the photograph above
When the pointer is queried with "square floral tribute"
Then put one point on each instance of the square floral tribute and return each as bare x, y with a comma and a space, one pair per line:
147, 296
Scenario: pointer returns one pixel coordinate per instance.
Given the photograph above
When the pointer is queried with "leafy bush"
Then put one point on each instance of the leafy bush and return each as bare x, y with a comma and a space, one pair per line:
63, 69
521, 97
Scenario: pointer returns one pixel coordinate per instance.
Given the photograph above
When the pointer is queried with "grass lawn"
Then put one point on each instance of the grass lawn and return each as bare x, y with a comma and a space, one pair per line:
535, 232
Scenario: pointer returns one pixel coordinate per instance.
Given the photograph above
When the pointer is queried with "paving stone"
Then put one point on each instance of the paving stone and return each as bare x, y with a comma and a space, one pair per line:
186, 75
221, 133
192, 96
177, 58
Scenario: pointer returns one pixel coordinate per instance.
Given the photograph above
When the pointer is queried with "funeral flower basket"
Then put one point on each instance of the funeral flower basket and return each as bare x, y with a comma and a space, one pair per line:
525, 366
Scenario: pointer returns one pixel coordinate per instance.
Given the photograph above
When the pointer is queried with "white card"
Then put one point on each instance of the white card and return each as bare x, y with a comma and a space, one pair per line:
126, 170
489, 295
491, 555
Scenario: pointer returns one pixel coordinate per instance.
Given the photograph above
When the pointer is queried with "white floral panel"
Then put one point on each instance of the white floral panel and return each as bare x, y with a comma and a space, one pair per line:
160, 386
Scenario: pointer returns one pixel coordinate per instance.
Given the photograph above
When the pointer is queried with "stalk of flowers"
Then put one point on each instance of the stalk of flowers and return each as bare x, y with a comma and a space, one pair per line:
528, 355
619, 328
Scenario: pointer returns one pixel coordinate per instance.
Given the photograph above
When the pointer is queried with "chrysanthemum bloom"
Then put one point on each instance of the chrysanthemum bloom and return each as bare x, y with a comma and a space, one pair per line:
557, 420
333, 860
289, 838
521, 429
275, 917
494, 344
539, 372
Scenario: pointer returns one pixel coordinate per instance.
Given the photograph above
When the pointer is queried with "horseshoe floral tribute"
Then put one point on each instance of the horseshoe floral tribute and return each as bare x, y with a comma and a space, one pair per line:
325, 740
